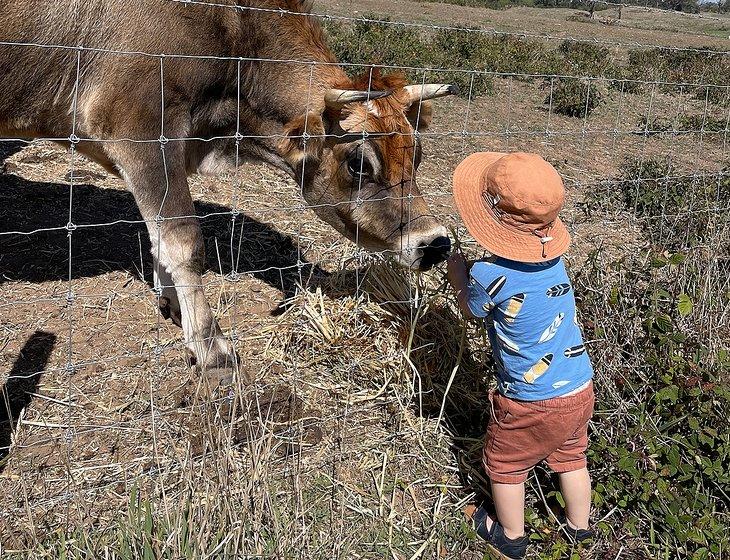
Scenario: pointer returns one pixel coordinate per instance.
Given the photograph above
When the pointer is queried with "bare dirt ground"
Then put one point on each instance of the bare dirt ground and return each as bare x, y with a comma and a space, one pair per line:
131, 413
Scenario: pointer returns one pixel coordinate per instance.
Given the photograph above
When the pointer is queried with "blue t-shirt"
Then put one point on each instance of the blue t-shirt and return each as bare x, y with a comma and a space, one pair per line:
533, 328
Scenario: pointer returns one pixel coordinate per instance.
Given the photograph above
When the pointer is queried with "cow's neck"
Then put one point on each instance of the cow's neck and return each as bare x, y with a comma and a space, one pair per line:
274, 94
268, 113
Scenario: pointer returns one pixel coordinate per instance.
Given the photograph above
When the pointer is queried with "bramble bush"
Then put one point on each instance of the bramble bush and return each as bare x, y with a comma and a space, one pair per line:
704, 66
573, 97
660, 448
679, 209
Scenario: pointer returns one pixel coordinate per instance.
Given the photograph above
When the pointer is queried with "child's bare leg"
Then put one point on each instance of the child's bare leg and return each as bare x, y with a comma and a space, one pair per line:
576, 489
509, 501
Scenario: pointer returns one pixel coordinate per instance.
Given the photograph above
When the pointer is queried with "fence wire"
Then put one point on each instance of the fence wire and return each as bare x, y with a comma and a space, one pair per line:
521, 113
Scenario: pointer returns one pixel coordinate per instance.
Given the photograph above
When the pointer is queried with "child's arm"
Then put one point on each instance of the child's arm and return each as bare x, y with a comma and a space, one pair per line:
458, 276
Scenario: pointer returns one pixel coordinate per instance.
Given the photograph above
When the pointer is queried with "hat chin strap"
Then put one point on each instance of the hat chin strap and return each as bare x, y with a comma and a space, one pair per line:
545, 241
544, 238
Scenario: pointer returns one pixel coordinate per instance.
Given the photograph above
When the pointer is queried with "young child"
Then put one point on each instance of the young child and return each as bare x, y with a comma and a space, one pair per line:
544, 396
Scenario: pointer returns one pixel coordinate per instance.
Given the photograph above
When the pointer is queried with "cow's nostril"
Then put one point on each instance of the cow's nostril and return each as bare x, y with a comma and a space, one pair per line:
434, 252
441, 243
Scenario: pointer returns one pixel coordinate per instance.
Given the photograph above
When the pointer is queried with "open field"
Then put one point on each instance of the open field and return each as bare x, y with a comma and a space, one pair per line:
343, 437
638, 26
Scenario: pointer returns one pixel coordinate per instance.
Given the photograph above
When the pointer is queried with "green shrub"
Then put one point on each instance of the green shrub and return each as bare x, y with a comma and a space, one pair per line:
665, 459
510, 54
573, 97
684, 123
490, 4
375, 43
660, 450
585, 58
622, 84
677, 208
683, 67
574, 4
702, 122
384, 44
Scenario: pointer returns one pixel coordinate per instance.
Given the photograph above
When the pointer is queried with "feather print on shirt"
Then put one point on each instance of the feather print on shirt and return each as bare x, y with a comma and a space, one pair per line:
494, 288
552, 330
558, 290
507, 343
574, 351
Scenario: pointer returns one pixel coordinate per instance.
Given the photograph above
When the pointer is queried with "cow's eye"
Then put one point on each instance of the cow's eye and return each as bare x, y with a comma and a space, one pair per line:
358, 166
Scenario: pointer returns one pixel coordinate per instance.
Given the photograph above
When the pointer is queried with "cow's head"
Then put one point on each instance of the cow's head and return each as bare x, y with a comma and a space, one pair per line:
357, 167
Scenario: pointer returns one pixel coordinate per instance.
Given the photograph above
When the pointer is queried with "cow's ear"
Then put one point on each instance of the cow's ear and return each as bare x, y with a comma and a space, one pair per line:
303, 140
419, 114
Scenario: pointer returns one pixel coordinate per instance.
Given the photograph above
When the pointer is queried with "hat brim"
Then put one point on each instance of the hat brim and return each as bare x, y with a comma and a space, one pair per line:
487, 230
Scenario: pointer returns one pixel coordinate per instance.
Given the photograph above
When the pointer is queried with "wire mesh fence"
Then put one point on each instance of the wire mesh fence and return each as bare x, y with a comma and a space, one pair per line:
351, 426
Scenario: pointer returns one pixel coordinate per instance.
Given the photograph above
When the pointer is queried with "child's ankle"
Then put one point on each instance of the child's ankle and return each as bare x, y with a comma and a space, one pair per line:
576, 526
513, 535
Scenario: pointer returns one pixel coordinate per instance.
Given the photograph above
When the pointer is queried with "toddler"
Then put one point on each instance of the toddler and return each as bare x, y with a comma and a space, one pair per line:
544, 396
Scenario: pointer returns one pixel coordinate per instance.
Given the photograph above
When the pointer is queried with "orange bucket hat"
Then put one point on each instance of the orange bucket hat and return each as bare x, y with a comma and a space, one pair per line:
510, 205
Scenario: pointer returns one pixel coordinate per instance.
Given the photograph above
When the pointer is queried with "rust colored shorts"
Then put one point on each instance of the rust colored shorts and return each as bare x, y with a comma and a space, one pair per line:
523, 433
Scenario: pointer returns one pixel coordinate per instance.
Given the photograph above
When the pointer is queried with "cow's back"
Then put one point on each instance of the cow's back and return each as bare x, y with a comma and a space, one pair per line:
38, 86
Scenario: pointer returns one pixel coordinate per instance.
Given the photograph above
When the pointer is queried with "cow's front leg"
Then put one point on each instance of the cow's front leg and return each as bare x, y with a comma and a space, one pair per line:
177, 244
159, 184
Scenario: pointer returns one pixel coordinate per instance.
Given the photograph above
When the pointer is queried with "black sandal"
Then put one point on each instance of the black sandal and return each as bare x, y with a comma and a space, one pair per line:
576, 535
498, 543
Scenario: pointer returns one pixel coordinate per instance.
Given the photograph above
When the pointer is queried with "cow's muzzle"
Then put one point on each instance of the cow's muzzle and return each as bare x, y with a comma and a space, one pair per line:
434, 252
427, 249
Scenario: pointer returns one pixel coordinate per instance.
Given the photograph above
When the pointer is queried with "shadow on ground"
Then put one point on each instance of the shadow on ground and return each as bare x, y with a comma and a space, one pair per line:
22, 381
110, 236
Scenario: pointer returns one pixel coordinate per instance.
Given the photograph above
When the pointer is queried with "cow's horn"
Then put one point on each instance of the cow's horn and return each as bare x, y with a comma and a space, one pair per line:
338, 98
430, 91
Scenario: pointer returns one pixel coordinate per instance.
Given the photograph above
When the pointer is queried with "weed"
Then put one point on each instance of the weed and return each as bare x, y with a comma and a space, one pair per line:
665, 457
684, 67
668, 201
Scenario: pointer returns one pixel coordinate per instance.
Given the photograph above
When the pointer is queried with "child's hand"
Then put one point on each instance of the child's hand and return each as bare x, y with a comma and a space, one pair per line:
456, 270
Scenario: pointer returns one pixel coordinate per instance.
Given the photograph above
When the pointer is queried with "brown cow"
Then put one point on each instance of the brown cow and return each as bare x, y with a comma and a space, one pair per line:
349, 144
